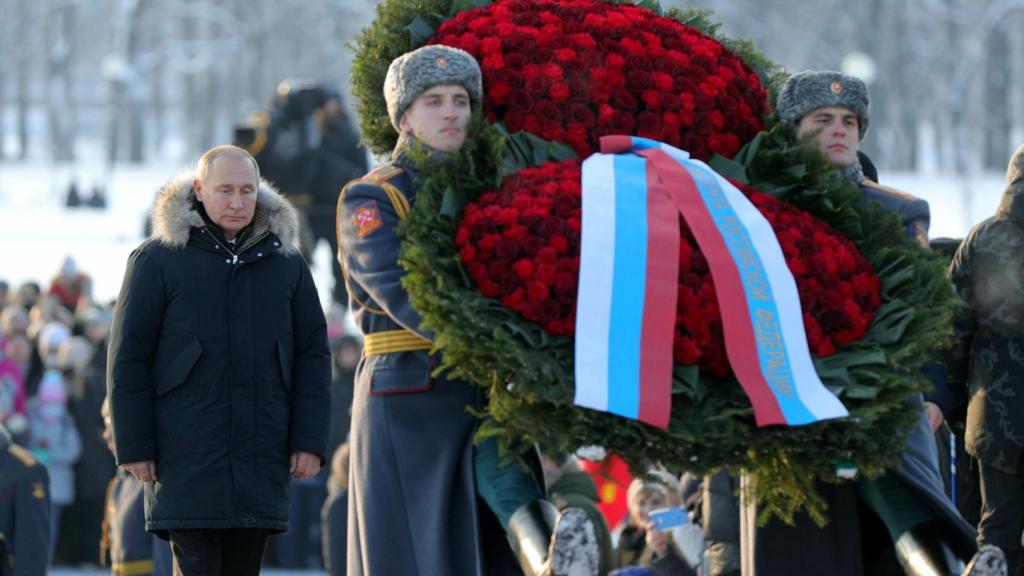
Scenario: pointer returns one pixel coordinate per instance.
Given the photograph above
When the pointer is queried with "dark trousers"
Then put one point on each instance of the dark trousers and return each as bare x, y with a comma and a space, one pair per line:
237, 551
1002, 513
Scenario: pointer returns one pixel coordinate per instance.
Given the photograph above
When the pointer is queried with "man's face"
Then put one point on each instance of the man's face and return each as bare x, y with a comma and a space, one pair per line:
838, 133
229, 193
438, 117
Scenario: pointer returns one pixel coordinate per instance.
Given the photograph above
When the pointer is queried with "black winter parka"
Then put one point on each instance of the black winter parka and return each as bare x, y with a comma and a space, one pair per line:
219, 366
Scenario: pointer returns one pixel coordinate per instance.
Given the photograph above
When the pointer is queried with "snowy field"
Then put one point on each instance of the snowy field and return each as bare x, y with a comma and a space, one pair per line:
37, 231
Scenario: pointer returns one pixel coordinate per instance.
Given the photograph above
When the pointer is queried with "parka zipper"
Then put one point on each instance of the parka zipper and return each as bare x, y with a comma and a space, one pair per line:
234, 256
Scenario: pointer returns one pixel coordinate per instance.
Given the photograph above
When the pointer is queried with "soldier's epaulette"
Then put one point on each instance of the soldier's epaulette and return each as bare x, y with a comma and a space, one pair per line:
382, 173
889, 190
380, 177
20, 453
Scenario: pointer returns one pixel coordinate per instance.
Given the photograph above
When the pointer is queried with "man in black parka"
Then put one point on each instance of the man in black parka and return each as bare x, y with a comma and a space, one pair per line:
219, 367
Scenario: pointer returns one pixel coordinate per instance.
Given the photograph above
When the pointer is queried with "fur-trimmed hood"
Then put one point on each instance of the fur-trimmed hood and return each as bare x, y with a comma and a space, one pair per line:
174, 214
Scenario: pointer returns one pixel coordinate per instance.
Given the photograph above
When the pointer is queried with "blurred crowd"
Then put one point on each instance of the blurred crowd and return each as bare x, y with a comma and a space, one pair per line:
53, 355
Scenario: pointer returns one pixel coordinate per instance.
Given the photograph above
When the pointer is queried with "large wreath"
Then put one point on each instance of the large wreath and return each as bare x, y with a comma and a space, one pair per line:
491, 245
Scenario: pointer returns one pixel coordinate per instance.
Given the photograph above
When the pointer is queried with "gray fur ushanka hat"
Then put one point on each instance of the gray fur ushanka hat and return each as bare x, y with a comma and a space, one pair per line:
812, 89
414, 72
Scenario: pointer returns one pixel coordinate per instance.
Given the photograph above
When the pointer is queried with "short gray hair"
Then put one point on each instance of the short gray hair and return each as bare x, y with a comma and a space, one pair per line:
203, 168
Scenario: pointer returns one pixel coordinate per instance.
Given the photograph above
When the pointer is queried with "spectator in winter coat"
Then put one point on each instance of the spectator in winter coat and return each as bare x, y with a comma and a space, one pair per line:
14, 364
347, 352
70, 285
219, 368
334, 516
986, 363
13, 319
720, 517
81, 520
54, 441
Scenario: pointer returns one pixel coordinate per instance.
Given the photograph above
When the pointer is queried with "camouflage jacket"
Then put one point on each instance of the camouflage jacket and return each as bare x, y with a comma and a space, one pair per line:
987, 360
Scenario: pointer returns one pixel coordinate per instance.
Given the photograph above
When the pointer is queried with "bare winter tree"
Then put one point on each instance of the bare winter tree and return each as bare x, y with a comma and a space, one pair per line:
24, 17
61, 108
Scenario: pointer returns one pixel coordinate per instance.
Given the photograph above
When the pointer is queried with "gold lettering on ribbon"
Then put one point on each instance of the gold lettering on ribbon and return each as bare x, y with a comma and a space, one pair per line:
771, 348
776, 365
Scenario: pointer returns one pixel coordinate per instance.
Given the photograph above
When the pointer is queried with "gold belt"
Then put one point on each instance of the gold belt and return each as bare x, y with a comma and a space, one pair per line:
133, 568
390, 341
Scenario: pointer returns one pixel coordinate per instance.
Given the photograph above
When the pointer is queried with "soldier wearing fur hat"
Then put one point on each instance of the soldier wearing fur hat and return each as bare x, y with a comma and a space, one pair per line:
219, 367
24, 511
416, 477
902, 519
832, 108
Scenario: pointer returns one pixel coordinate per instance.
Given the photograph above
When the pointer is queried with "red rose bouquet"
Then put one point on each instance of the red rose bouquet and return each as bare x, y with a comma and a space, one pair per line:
575, 70
520, 245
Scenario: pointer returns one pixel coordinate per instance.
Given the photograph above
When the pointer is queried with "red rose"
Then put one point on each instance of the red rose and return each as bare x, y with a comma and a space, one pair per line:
621, 123
559, 93
553, 71
623, 100
652, 99
520, 102
648, 125
524, 268
614, 61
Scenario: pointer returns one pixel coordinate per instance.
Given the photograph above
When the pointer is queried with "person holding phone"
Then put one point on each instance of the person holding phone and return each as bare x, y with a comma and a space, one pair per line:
659, 534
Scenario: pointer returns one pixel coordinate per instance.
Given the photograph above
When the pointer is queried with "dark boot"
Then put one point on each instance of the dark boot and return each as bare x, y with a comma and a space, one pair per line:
922, 552
549, 543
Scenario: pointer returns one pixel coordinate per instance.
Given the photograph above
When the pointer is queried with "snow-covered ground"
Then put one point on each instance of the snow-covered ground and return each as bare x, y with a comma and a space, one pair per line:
37, 231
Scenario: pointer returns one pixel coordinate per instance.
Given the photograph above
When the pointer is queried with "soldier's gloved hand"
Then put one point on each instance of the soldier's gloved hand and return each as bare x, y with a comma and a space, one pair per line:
144, 471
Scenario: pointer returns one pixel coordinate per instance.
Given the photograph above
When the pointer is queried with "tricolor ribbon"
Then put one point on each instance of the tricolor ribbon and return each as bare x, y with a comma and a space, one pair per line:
633, 193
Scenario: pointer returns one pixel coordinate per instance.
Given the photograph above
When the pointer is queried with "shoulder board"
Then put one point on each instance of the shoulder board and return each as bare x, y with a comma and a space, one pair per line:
382, 174
889, 191
20, 453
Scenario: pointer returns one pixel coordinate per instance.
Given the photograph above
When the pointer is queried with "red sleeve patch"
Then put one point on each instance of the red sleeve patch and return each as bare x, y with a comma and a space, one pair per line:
367, 218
